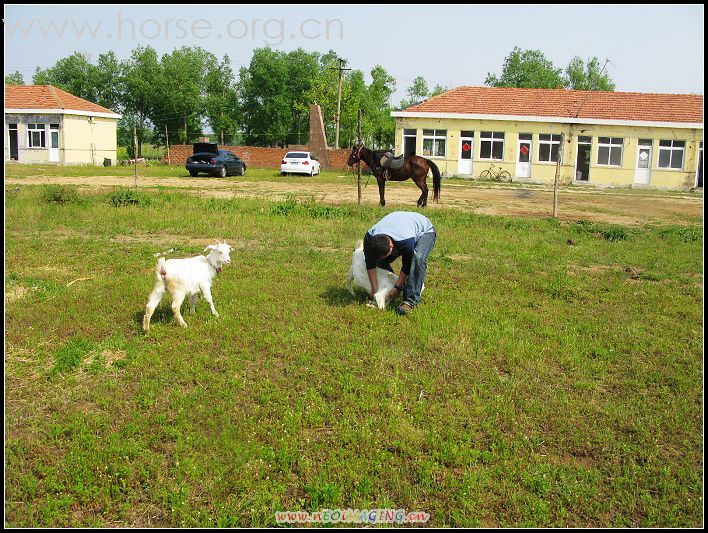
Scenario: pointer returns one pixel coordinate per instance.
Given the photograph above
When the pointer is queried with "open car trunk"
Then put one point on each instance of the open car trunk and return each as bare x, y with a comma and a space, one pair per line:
204, 152
206, 148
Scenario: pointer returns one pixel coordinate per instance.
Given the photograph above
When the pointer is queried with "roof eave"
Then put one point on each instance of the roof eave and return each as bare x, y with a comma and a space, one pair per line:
563, 120
77, 112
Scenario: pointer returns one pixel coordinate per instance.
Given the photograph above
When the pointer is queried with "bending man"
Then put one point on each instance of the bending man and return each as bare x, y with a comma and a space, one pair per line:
404, 234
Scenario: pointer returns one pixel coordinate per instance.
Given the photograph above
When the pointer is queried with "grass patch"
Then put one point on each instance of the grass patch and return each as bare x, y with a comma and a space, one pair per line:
539, 384
72, 354
61, 194
125, 196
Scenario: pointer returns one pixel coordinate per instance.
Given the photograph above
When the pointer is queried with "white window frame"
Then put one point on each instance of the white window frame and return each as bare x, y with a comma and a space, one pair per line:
671, 149
491, 139
436, 136
42, 131
408, 136
550, 144
610, 146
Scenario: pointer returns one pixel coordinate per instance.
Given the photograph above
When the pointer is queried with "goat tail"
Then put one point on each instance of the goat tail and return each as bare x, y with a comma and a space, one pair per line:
160, 270
436, 179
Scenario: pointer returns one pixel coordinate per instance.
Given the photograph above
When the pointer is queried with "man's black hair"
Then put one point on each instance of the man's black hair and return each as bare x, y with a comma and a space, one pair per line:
381, 245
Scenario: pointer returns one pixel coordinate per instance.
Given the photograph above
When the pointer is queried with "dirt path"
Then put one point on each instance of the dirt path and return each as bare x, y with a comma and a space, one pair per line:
600, 206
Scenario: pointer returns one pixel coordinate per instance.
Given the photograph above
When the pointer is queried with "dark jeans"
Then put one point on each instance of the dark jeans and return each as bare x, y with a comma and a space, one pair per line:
419, 267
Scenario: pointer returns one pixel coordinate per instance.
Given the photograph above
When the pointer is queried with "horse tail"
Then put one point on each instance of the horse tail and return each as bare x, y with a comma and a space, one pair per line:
436, 180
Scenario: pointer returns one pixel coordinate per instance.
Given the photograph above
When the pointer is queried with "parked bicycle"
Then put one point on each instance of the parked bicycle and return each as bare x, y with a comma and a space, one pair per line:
495, 175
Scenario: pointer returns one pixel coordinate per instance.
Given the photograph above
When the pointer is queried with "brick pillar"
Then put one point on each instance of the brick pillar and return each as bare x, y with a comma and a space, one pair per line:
318, 139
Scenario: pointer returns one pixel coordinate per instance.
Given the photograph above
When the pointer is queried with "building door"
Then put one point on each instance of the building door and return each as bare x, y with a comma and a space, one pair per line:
523, 156
409, 141
699, 170
54, 143
642, 173
464, 163
12, 132
582, 162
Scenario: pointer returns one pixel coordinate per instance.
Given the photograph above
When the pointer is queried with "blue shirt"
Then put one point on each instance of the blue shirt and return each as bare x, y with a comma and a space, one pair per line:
404, 228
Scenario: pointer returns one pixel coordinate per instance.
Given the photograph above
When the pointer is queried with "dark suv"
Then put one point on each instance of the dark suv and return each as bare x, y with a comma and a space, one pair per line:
208, 159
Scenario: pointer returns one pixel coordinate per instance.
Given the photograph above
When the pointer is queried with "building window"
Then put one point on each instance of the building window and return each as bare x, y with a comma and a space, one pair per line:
409, 141
548, 146
36, 136
609, 151
491, 145
434, 143
671, 154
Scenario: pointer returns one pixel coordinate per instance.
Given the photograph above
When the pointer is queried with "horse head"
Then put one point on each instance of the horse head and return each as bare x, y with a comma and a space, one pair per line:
355, 156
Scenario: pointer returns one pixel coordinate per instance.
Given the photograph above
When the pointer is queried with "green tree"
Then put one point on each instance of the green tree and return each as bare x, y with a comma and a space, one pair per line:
266, 110
109, 82
75, 74
303, 67
529, 69
142, 77
379, 126
181, 93
417, 92
587, 75
221, 102
15, 78
439, 89
275, 92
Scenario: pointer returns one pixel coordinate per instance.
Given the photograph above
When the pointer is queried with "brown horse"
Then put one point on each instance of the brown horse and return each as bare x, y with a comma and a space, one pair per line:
414, 167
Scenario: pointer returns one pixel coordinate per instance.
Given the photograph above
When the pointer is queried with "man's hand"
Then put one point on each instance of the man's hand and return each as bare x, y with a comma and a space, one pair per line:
393, 294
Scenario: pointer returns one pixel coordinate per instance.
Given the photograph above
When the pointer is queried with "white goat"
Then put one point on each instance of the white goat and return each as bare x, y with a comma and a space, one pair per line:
357, 275
187, 278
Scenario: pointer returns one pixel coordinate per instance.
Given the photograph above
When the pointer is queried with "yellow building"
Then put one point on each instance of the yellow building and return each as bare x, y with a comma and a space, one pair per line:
609, 138
44, 124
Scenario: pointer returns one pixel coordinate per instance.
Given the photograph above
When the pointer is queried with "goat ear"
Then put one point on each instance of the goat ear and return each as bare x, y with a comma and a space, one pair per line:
210, 247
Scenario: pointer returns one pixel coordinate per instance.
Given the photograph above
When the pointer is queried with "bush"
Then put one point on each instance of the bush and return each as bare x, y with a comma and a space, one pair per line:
61, 194
124, 197
284, 208
609, 233
614, 233
683, 234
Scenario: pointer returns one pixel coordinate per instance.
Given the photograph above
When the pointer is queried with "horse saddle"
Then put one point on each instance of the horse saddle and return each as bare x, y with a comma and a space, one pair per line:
389, 162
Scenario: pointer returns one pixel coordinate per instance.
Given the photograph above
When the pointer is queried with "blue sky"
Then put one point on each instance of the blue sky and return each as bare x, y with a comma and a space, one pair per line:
651, 48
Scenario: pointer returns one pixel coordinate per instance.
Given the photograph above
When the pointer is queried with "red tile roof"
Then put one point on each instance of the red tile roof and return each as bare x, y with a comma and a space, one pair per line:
47, 97
566, 103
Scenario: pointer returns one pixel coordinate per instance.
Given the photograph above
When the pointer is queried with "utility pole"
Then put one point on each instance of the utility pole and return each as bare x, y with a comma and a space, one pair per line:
341, 69
167, 142
557, 179
358, 165
563, 141
135, 156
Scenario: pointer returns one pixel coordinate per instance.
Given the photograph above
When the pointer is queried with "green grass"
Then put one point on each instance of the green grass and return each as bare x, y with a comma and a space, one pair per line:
538, 384
148, 152
173, 171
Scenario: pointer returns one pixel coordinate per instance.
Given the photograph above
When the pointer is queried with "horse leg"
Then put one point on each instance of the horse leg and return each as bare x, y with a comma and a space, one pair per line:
382, 189
423, 200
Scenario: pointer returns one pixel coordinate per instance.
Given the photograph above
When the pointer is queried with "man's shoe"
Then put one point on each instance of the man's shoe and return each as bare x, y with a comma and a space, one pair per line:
404, 309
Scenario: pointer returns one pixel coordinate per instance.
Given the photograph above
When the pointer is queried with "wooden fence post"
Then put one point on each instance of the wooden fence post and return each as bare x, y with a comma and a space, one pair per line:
358, 179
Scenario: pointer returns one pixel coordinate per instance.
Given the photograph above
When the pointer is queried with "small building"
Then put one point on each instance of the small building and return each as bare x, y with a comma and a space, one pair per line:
610, 138
44, 124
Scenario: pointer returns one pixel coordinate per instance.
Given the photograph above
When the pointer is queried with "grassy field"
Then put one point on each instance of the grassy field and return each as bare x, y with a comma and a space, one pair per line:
552, 375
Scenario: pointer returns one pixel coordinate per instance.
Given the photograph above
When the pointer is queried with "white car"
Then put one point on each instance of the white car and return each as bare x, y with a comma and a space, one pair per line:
299, 163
